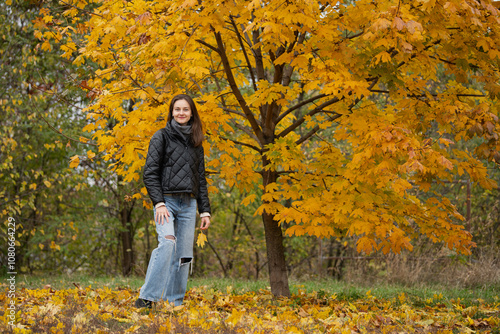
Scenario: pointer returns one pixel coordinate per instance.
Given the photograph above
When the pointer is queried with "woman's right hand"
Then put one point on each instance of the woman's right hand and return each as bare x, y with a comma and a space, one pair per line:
162, 215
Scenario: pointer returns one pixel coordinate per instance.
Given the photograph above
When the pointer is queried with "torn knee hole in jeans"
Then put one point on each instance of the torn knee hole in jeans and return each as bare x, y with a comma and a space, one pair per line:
186, 261
170, 237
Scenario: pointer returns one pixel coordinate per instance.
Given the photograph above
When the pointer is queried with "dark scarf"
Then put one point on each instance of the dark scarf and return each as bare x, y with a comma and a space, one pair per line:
184, 130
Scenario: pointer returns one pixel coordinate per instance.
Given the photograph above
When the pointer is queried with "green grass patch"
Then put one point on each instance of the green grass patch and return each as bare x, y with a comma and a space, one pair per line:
417, 295
59, 282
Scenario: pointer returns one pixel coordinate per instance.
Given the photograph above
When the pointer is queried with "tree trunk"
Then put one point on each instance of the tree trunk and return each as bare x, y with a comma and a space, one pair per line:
148, 244
126, 239
278, 275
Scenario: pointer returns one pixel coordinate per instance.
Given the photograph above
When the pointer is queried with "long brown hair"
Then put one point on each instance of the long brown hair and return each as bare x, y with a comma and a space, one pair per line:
195, 121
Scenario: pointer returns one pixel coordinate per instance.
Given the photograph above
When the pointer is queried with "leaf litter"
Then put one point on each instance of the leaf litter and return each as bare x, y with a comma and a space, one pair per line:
205, 310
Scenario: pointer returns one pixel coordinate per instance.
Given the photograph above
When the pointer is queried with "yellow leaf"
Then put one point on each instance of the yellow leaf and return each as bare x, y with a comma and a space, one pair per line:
398, 23
75, 161
381, 24
483, 43
202, 238
46, 46
249, 199
446, 163
90, 154
53, 245
383, 57
235, 317
47, 184
41, 246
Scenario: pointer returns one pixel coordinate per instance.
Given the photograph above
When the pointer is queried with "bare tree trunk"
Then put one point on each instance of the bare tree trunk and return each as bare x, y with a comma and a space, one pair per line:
148, 243
126, 240
222, 266
254, 242
278, 275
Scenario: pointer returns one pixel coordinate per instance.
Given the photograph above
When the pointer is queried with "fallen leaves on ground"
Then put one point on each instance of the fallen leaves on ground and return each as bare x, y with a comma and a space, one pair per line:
103, 310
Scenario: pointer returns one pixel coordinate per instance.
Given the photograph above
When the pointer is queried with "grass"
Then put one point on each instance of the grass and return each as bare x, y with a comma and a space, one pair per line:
342, 290
59, 282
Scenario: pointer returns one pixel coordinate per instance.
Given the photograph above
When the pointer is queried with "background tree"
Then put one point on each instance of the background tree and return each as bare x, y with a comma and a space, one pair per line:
33, 162
237, 240
290, 94
64, 216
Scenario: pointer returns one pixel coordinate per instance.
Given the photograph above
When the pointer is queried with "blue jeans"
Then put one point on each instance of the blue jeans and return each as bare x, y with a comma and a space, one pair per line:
168, 269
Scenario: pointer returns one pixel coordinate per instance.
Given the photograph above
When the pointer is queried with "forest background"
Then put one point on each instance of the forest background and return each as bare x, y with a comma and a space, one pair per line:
79, 207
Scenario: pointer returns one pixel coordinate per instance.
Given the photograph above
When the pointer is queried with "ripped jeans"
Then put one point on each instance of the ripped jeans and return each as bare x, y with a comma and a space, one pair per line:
168, 269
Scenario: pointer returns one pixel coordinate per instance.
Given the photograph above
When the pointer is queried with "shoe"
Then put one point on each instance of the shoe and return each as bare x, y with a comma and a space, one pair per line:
143, 303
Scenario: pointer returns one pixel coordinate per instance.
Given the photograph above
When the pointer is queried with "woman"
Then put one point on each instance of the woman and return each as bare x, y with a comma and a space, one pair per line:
174, 176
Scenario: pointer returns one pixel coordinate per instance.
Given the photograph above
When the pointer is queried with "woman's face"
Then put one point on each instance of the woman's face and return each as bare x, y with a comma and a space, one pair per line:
181, 112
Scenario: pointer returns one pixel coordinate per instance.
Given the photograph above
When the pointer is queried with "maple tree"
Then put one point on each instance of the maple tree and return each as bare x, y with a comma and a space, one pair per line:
325, 107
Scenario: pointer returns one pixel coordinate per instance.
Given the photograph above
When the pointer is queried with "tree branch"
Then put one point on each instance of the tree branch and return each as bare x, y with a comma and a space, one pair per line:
237, 93
259, 63
232, 111
311, 113
80, 9
287, 75
137, 84
314, 130
242, 144
415, 55
307, 135
297, 106
208, 45
246, 130
202, 42
240, 40
424, 95
59, 132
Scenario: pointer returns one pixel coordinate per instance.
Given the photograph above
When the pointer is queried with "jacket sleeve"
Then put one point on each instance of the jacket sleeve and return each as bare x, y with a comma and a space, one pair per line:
203, 200
153, 168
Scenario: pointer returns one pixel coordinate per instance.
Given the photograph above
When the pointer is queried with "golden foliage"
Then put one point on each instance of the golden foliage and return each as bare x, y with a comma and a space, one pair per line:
355, 105
85, 310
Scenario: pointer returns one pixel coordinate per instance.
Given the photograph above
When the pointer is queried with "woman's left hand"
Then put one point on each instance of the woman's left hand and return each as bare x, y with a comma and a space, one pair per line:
205, 223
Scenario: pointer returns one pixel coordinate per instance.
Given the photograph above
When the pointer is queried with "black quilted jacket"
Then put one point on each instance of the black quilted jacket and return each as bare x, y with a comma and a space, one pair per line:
174, 166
